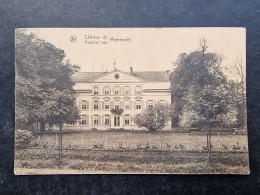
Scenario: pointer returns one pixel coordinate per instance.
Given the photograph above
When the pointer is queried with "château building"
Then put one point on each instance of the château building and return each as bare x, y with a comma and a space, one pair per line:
98, 93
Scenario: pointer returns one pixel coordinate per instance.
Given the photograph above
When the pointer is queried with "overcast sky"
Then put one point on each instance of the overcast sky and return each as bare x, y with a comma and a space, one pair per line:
147, 49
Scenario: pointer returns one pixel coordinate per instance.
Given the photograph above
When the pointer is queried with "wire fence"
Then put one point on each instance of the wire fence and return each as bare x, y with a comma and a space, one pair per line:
148, 141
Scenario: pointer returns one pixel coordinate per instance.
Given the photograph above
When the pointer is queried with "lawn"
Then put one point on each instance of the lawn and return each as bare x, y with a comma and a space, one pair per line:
126, 152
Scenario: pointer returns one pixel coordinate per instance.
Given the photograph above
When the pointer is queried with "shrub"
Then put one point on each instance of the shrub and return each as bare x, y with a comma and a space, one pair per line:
118, 130
98, 146
23, 138
94, 129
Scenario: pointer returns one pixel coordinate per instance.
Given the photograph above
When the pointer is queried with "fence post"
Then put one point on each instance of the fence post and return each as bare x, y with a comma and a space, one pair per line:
131, 138
188, 141
161, 140
56, 139
218, 141
81, 140
106, 141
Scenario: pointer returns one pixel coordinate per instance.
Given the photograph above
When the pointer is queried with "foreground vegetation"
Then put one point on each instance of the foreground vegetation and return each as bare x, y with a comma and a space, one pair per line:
45, 161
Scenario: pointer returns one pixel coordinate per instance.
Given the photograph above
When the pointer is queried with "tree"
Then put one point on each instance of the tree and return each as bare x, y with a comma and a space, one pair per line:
44, 88
199, 90
155, 118
241, 91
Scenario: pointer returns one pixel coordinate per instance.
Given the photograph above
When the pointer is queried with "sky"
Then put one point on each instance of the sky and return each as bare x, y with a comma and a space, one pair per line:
144, 49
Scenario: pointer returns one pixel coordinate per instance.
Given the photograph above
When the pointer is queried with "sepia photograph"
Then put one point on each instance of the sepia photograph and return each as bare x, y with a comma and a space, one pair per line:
130, 101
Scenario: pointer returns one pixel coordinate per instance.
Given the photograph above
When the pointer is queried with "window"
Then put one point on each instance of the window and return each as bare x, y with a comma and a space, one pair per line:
107, 120
72, 123
127, 90
116, 90
138, 104
95, 105
150, 104
127, 105
107, 90
117, 104
95, 90
138, 90
83, 120
127, 119
107, 105
96, 119
83, 105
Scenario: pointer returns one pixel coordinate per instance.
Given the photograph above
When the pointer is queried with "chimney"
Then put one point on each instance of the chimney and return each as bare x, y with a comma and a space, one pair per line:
131, 70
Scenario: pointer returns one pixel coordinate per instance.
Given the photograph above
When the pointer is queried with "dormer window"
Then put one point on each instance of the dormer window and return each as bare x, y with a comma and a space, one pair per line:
127, 90
116, 90
95, 90
138, 90
107, 89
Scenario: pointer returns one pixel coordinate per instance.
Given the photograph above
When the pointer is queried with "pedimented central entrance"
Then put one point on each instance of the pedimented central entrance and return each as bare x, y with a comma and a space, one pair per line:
116, 121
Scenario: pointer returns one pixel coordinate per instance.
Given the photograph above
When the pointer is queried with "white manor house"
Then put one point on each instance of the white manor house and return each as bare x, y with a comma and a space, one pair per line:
100, 92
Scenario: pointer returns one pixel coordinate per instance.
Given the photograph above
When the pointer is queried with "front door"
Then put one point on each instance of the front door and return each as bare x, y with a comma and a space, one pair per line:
117, 121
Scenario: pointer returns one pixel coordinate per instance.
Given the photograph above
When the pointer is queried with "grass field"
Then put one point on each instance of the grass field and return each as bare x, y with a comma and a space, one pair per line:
121, 154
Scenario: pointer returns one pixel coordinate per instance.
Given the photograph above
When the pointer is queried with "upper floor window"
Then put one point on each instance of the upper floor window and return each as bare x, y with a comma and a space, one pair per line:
107, 90
95, 105
107, 105
95, 90
138, 105
150, 104
138, 90
117, 103
127, 90
83, 104
127, 105
116, 90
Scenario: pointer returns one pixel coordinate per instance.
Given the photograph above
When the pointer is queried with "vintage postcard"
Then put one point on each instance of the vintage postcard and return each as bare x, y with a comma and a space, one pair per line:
130, 101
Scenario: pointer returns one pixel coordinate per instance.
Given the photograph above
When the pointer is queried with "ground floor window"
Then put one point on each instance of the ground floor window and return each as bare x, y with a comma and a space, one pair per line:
83, 120
107, 120
72, 123
96, 120
127, 119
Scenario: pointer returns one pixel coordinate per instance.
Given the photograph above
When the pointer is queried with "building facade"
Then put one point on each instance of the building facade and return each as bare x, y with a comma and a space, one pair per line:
99, 93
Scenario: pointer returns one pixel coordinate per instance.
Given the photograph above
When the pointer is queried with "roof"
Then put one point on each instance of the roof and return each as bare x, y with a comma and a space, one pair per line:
150, 76
159, 76
86, 76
